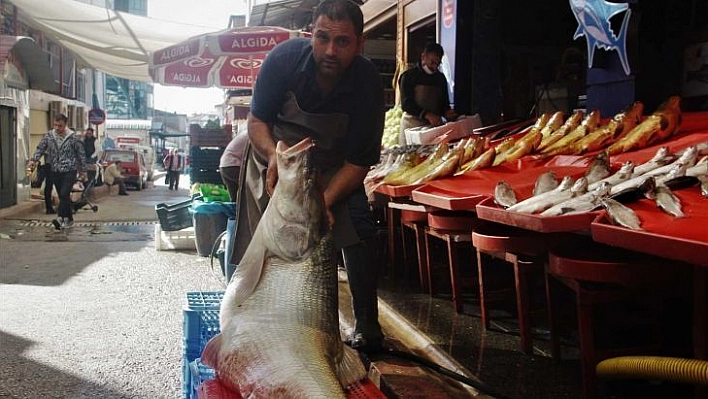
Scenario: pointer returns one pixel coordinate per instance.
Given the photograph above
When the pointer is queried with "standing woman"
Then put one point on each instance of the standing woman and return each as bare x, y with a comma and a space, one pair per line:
67, 159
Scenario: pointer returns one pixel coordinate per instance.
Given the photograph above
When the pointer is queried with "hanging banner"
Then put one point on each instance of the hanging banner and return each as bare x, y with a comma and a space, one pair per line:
448, 40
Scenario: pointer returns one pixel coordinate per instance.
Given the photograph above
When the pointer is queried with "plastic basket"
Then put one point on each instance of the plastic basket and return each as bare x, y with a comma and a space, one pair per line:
204, 300
198, 374
170, 240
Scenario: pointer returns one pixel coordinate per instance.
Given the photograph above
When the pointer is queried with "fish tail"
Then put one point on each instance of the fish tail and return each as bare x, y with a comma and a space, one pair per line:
349, 369
622, 42
210, 355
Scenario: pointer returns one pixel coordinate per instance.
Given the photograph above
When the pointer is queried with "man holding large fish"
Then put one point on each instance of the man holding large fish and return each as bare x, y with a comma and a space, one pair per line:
324, 89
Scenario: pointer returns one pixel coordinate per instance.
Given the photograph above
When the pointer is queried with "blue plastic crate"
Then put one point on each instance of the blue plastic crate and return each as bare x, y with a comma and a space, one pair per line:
198, 374
204, 300
199, 326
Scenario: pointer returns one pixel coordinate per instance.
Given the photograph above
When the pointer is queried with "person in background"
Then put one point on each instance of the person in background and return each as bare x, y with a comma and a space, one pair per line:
68, 160
90, 146
321, 87
424, 96
48, 185
230, 163
174, 162
112, 175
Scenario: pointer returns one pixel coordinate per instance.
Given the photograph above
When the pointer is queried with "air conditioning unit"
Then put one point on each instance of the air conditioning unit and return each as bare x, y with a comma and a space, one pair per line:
55, 108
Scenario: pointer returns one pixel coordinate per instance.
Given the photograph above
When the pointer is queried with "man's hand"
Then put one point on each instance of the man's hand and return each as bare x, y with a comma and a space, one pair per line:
451, 115
30, 164
272, 175
434, 120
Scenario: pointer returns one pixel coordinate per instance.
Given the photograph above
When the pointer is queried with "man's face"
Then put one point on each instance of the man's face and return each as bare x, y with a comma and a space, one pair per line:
334, 45
59, 126
89, 133
430, 60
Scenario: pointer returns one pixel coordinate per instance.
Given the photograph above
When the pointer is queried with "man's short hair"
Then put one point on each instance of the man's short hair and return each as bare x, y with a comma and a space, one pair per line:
60, 117
118, 162
341, 10
90, 130
434, 48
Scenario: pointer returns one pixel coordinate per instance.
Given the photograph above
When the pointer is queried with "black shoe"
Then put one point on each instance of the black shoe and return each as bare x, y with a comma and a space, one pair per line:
123, 194
58, 222
51, 212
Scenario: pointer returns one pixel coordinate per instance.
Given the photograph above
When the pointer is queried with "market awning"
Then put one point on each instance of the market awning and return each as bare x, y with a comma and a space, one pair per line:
110, 41
35, 62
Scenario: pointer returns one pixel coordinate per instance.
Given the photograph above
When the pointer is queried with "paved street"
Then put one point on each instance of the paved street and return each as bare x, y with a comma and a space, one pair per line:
95, 311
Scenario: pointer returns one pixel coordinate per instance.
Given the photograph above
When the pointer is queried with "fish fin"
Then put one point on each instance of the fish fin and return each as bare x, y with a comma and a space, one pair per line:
248, 274
349, 369
210, 355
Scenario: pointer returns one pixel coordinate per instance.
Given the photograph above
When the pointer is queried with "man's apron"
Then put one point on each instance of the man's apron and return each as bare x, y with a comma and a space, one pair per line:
329, 133
427, 97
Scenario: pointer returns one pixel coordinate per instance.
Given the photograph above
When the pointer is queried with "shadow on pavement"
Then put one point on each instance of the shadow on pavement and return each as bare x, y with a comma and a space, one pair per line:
25, 378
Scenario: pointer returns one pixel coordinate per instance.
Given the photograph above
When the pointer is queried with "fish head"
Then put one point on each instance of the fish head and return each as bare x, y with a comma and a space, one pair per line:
565, 184
627, 168
297, 195
580, 186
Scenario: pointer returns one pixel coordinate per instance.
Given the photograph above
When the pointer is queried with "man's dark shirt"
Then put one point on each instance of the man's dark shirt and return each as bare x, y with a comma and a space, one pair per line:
417, 76
359, 94
89, 146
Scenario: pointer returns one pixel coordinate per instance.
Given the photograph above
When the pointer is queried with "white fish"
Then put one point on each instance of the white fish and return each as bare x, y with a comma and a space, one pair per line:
667, 201
621, 215
624, 173
504, 195
689, 158
565, 190
661, 158
545, 182
599, 169
580, 204
279, 316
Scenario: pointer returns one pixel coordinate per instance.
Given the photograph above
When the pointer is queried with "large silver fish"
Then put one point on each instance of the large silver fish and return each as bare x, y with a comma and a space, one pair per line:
279, 316
661, 158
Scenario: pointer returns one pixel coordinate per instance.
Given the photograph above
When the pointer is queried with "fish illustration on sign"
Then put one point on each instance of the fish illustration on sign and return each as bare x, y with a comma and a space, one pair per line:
593, 18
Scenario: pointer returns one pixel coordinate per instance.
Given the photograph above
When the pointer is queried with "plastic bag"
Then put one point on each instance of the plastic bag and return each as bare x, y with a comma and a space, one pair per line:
34, 175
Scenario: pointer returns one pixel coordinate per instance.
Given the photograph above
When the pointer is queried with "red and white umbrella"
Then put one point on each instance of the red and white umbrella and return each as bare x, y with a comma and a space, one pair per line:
229, 59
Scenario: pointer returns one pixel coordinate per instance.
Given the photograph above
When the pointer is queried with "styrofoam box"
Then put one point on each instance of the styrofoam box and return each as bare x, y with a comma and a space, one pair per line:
180, 239
462, 127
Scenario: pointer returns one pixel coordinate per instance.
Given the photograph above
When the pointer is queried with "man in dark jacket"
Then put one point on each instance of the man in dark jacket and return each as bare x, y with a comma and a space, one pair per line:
68, 160
90, 146
424, 97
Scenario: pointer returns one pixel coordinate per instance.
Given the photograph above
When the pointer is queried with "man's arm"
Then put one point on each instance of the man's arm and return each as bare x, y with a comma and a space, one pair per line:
344, 182
259, 132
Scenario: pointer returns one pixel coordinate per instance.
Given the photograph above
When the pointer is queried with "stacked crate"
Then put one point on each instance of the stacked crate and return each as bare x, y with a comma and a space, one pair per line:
206, 148
200, 324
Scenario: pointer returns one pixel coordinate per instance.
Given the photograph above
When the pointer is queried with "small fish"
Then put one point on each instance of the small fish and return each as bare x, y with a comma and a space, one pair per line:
662, 157
688, 158
667, 201
504, 195
700, 168
621, 215
565, 190
546, 182
704, 185
631, 194
624, 173
582, 203
599, 169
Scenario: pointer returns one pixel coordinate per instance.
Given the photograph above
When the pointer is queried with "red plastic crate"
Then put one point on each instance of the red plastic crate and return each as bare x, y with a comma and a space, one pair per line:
213, 389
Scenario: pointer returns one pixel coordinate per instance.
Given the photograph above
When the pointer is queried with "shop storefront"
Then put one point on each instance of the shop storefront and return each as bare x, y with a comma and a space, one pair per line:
23, 66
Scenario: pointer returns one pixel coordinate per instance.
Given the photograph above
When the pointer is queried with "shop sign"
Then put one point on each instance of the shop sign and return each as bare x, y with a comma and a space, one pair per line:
593, 18
448, 13
448, 40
